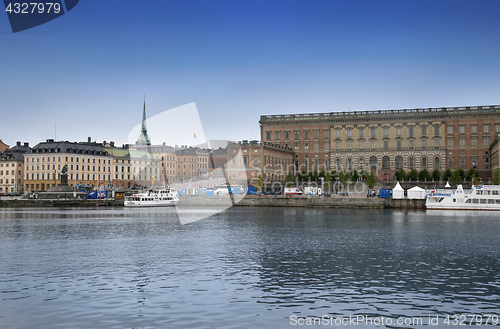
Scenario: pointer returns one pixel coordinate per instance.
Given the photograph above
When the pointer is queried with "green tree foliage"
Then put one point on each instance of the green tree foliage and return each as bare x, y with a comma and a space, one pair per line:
423, 175
343, 176
322, 173
372, 180
402, 174
333, 174
354, 175
457, 177
289, 179
413, 175
260, 183
496, 177
470, 174
303, 175
447, 174
364, 174
436, 174
314, 175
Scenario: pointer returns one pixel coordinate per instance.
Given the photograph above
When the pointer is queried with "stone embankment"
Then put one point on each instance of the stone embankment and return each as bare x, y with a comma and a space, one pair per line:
249, 200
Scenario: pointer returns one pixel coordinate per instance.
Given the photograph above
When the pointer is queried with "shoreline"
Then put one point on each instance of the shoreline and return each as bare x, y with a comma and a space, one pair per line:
247, 201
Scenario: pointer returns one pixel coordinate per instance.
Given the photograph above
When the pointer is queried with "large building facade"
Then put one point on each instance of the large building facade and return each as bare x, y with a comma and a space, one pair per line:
87, 164
388, 140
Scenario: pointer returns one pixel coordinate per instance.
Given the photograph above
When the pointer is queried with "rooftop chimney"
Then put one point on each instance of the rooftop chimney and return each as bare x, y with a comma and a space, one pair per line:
26, 144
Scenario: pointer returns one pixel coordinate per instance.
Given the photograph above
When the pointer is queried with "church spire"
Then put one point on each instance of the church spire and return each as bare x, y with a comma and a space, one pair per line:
144, 138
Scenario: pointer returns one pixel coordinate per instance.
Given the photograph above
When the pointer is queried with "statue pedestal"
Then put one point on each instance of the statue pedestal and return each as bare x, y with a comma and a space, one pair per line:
64, 180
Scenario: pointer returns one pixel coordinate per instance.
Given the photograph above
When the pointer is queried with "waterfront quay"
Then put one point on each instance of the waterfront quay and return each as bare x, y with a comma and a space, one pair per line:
247, 201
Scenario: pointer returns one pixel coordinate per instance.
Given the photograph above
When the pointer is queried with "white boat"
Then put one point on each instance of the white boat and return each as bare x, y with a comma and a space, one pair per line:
485, 197
153, 198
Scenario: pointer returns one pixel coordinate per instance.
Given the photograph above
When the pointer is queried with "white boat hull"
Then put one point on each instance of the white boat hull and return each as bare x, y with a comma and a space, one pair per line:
149, 204
485, 197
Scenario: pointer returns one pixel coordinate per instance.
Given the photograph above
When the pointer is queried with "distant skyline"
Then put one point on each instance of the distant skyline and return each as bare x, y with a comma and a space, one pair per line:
87, 71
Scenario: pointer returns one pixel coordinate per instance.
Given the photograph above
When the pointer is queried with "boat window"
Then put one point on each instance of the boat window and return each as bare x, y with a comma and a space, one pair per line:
486, 192
495, 192
491, 201
483, 200
479, 192
468, 201
475, 201
454, 200
497, 201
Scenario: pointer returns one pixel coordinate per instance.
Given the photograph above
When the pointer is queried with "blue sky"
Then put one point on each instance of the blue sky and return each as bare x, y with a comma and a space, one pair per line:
89, 69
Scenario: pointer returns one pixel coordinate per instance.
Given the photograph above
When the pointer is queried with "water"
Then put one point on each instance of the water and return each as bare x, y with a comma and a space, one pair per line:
243, 268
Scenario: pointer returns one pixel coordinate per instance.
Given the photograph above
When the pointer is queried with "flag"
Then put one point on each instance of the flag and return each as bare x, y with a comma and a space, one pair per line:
194, 135
153, 179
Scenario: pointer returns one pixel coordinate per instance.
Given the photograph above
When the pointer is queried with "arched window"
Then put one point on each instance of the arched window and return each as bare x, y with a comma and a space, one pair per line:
411, 162
373, 163
424, 162
386, 163
361, 163
338, 164
349, 164
399, 162
436, 163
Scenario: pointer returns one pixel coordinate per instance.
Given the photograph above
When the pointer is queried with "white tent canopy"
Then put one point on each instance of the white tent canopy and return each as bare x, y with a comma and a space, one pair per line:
398, 192
416, 193
447, 184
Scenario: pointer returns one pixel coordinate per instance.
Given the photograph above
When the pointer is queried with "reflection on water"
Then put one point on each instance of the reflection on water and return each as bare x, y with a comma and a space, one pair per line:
244, 267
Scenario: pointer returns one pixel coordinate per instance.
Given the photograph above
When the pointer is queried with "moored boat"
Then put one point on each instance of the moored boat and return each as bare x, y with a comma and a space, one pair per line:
153, 198
485, 197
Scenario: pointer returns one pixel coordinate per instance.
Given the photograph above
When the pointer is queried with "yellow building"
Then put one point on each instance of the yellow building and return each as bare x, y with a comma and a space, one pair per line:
87, 164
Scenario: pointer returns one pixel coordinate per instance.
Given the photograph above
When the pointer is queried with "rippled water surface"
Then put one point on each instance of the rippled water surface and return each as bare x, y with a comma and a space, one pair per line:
243, 268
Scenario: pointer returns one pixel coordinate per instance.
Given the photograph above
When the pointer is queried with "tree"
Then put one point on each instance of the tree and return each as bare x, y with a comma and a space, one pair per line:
354, 175
457, 177
372, 180
423, 175
364, 174
328, 180
436, 174
413, 175
322, 173
496, 177
260, 183
343, 176
333, 174
402, 174
289, 179
303, 175
314, 175
447, 174
470, 174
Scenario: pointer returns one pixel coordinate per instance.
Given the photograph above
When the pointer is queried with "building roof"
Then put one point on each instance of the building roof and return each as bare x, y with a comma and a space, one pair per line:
22, 148
11, 156
186, 151
51, 146
126, 153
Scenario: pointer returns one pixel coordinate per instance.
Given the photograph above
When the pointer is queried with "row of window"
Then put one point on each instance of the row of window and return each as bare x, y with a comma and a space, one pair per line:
12, 172
12, 181
296, 134
71, 167
77, 176
386, 163
6, 165
473, 141
373, 131
67, 159
386, 144
473, 128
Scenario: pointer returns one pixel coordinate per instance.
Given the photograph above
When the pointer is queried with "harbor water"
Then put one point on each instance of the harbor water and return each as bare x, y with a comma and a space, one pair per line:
247, 267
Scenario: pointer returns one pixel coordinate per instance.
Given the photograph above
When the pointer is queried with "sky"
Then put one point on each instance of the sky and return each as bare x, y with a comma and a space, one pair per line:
86, 72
